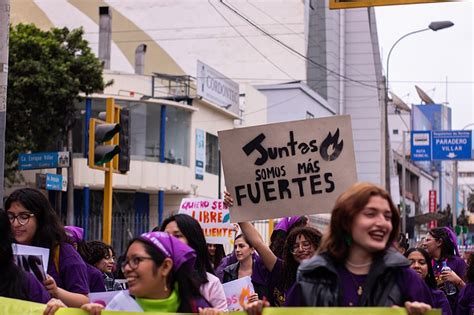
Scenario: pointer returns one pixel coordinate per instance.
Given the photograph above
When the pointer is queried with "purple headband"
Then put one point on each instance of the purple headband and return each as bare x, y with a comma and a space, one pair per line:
286, 223
453, 239
171, 247
75, 233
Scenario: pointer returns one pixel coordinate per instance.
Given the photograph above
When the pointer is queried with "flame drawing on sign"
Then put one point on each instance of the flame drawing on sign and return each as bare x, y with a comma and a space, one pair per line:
330, 149
245, 293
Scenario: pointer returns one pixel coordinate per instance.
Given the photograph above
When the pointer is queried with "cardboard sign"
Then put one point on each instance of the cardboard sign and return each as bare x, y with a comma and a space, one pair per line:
286, 169
213, 216
37, 256
103, 298
237, 293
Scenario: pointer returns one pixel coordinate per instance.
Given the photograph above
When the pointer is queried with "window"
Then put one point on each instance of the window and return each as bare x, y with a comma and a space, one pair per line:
395, 131
212, 154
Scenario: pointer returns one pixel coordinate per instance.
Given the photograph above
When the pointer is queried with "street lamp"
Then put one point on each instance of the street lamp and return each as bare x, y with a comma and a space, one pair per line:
455, 184
434, 26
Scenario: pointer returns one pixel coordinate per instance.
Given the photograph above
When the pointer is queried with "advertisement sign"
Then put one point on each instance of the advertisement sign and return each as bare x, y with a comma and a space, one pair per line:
286, 169
432, 207
200, 154
213, 216
217, 88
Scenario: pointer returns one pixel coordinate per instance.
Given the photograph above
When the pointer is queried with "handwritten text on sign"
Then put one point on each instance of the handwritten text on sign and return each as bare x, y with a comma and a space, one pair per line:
213, 216
290, 168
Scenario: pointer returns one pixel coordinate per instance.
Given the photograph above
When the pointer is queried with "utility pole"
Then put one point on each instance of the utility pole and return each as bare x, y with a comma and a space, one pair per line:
4, 33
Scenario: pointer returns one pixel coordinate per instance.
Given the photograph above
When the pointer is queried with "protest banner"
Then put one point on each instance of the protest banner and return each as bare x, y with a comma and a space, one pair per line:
213, 216
237, 293
289, 168
19, 307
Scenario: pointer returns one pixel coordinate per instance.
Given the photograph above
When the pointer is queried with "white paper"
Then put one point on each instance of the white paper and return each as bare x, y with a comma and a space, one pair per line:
103, 298
122, 301
19, 249
237, 293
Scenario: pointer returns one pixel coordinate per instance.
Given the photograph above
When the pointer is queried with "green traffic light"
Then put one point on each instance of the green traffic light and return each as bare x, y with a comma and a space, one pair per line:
105, 153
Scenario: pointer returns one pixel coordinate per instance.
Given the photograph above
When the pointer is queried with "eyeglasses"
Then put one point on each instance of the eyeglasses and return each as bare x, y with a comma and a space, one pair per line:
133, 262
305, 246
22, 218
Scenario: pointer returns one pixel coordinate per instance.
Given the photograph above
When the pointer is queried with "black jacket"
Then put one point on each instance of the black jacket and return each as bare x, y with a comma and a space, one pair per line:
320, 284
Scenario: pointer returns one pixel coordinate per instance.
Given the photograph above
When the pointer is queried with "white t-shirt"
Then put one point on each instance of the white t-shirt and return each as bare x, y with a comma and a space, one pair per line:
213, 292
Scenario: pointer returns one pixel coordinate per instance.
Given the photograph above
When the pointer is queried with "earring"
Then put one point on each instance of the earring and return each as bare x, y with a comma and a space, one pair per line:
165, 288
348, 240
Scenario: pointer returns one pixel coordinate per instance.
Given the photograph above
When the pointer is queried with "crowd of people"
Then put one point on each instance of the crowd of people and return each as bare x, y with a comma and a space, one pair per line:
359, 261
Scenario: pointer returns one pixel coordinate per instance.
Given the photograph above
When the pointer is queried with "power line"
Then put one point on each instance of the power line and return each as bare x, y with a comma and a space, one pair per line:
253, 46
293, 50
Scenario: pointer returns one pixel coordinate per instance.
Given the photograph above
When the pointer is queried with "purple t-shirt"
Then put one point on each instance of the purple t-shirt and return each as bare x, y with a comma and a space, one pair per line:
466, 300
456, 263
96, 279
440, 301
275, 284
36, 290
72, 274
410, 284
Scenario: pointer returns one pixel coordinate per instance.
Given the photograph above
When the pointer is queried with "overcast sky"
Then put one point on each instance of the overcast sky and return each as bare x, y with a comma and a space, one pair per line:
430, 59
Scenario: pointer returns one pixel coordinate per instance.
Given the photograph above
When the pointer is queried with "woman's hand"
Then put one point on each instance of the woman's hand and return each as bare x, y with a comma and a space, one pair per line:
416, 308
51, 286
451, 276
256, 308
228, 200
253, 297
52, 306
92, 308
209, 311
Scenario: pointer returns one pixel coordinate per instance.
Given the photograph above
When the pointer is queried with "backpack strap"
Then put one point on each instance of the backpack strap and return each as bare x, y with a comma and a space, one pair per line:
56, 257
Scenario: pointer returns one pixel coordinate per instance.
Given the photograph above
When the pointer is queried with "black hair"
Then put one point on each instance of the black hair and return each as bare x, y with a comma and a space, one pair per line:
470, 269
278, 237
191, 229
290, 265
12, 278
50, 231
242, 236
92, 252
430, 279
217, 258
447, 246
188, 286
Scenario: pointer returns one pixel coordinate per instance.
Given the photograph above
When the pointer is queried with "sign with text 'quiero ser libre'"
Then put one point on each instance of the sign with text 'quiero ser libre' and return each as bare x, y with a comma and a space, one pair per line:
213, 216
290, 168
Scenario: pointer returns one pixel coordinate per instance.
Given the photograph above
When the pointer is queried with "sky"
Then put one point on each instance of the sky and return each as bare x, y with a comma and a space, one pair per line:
441, 62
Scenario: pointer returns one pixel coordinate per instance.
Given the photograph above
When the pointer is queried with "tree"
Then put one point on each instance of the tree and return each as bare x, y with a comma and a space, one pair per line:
47, 71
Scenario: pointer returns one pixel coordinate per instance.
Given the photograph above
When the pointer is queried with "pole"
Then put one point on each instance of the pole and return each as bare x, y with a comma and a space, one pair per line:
107, 220
59, 194
70, 181
86, 202
404, 207
4, 33
455, 193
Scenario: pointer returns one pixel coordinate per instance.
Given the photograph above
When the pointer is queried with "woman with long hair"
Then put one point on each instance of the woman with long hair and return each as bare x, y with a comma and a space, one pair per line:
441, 244
247, 266
420, 262
188, 230
356, 264
14, 282
216, 253
34, 222
282, 230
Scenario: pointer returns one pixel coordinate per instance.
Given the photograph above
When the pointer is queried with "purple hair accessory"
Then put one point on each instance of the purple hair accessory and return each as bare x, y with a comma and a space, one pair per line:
453, 239
286, 223
75, 233
171, 247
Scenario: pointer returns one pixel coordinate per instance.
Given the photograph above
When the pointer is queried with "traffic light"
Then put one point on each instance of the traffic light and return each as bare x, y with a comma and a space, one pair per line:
103, 138
124, 141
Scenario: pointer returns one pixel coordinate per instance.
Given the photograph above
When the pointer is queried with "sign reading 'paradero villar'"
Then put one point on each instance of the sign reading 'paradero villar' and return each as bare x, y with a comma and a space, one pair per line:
290, 168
